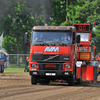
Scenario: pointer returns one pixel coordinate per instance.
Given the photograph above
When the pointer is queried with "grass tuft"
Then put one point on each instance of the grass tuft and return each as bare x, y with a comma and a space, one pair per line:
14, 70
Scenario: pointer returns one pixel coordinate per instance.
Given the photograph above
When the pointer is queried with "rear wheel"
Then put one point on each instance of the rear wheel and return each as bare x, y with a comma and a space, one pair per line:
34, 80
79, 81
71, 80
1, 69
95, 76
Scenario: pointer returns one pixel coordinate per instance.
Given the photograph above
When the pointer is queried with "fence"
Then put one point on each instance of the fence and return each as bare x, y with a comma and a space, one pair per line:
17, 60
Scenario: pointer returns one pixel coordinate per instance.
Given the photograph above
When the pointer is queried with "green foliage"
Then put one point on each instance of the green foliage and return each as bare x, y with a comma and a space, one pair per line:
96, 39
9, 43
14, 70
59, 12
64, 23
16, 23
20, 18
83, 11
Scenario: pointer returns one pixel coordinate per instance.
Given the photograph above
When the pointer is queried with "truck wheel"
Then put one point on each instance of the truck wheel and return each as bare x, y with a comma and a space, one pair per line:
34, 80
79, 81
95, 76
71, 80
1, 69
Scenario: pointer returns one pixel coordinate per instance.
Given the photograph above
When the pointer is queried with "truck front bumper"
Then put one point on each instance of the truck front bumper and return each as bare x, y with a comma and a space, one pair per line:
53, 73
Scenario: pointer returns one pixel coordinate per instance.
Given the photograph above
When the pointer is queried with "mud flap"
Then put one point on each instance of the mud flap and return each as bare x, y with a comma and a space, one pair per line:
79, 72
78, 69
95, 74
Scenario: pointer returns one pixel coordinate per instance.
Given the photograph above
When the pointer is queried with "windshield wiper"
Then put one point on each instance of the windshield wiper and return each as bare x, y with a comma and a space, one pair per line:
60, 43
40, 43
51, 57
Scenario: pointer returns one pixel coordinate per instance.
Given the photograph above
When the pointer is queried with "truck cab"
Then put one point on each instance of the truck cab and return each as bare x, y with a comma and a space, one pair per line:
84, 47
53, 53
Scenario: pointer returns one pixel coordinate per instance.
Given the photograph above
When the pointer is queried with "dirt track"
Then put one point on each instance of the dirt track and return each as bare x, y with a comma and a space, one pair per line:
16, 86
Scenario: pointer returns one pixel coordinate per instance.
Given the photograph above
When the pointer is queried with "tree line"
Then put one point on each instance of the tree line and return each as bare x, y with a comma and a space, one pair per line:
19, 16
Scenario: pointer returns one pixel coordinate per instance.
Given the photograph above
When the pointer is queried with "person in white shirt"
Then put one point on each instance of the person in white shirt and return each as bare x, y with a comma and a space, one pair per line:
65, 37
83, 38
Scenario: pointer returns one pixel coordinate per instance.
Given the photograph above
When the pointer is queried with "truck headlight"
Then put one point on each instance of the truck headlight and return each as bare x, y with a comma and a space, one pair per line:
67, 66
33, 65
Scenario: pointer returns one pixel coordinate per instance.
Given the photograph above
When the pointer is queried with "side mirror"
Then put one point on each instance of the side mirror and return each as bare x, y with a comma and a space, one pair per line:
26, 38
78, 38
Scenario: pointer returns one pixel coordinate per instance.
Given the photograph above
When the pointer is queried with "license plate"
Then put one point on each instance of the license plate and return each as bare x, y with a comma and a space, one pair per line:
50, 74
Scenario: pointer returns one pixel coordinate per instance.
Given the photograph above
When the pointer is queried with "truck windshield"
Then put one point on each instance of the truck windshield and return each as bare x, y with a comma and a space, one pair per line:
51, 38
84, 36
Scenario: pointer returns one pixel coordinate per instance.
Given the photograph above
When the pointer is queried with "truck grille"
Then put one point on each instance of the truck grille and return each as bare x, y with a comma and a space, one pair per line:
46, 58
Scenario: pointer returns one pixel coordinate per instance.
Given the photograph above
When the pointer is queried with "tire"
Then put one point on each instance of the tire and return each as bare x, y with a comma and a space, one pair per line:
79, 81
34, 80
95, 77
71, 80
1, 69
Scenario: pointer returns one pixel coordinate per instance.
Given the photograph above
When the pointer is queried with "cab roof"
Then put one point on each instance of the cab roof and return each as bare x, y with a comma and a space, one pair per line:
54, 28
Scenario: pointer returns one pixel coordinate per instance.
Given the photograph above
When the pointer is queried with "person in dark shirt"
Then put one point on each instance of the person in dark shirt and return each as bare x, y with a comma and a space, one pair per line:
40, 38
65, 37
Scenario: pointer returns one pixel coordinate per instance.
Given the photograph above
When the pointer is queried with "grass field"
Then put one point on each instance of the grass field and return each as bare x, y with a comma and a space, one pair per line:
14, 70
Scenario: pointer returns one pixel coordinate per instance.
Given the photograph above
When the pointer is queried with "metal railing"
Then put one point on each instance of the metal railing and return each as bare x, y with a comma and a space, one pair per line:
17, 60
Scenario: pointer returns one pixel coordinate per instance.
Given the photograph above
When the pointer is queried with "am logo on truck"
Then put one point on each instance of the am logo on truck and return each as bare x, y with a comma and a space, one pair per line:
51, 49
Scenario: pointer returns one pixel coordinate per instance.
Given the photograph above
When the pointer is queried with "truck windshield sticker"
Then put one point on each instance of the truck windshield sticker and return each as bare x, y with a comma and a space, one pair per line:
83, 48
51, 49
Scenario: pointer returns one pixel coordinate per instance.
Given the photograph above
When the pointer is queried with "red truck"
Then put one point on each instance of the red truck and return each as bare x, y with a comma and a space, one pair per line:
86, 53
53, 54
